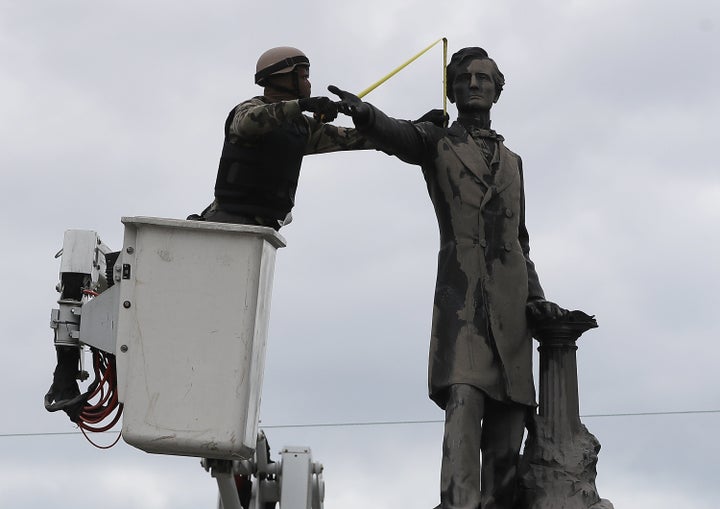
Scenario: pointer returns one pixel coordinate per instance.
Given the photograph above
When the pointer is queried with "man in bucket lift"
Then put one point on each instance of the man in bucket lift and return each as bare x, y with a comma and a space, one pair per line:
266, 138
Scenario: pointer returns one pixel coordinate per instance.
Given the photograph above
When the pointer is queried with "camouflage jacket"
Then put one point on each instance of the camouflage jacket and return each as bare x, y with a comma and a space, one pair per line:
256, 117
262, 156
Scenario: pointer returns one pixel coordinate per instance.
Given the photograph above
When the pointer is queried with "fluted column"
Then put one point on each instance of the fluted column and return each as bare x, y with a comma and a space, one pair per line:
558, 467
559, 404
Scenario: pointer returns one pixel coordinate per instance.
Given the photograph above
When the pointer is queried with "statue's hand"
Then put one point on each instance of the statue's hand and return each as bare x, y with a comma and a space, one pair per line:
544, 310
437, 117
351, 105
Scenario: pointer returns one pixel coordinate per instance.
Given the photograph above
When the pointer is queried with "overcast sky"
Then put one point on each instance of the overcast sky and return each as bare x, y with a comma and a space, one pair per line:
111, 109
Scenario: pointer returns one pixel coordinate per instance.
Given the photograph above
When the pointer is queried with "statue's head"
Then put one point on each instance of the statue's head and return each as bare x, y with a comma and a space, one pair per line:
458, 66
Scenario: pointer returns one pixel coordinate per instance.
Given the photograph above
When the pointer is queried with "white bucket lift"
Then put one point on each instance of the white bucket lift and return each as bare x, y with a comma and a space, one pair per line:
187, 320
178, 320
194, 304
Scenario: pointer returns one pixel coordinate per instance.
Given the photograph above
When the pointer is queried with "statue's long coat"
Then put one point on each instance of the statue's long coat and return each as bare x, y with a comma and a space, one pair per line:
485, 276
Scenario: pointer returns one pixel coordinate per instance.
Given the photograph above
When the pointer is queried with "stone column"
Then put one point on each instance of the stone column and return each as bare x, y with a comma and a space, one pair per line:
559, 404
558, 467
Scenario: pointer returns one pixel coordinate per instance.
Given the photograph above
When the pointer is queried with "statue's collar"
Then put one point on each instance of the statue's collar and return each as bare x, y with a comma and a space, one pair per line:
476, 132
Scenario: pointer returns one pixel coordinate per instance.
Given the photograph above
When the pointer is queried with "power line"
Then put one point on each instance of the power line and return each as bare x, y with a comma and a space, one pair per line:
379, 423
348, 424
681, 412
436, 421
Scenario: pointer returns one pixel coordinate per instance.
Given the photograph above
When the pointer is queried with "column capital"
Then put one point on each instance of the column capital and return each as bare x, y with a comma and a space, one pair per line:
563, 331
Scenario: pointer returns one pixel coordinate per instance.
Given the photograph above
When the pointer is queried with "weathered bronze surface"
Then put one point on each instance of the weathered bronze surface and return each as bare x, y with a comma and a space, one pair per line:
488, 294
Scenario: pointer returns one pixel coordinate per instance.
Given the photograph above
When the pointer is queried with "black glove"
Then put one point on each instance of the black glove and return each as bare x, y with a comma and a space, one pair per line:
323, 108
437, 117
352, 105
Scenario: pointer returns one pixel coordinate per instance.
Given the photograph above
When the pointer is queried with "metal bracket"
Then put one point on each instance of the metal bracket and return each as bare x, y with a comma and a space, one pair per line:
295, 482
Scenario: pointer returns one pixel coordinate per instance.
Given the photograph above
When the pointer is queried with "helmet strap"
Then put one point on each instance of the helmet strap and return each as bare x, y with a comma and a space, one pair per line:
291, 62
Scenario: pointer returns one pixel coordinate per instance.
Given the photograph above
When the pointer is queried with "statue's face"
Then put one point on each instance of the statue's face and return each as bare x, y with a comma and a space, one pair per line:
474, 87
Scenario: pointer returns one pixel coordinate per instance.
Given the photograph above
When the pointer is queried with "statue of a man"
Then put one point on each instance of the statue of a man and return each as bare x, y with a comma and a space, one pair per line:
480, 366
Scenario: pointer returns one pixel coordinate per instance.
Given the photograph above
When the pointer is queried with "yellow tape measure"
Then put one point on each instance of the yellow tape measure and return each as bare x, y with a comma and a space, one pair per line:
410, 61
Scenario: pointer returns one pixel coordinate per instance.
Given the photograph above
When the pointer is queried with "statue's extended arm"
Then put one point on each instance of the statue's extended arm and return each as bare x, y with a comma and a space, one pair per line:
400, 138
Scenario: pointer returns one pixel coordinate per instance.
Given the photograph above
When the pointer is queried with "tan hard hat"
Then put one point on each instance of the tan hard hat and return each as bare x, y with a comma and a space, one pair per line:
278, 61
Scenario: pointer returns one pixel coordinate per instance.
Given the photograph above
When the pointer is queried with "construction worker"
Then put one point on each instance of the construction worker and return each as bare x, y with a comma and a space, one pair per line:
266, 138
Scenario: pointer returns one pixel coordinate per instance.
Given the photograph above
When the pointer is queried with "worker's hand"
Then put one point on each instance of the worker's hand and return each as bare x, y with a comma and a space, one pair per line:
437, 117
352, 105
544, 310
323, 108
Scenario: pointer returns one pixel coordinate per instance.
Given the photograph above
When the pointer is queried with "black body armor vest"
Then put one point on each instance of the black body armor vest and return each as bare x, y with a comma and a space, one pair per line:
260, 179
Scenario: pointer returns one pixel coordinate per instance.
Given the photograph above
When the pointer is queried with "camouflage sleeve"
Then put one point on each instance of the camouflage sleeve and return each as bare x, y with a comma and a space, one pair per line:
256, 117
330, 138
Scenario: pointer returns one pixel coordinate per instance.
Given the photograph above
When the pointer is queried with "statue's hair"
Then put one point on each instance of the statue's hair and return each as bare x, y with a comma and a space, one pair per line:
471, 53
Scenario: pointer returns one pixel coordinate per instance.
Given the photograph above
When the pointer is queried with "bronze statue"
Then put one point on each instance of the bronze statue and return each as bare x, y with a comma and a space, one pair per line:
480, 365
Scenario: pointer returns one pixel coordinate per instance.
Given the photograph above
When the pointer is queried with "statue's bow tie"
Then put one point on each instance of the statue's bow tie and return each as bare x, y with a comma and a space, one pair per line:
487, 134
